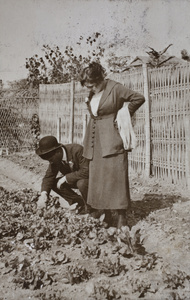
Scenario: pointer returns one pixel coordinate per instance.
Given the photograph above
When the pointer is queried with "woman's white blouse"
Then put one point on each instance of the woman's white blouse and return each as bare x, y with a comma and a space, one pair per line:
95, 103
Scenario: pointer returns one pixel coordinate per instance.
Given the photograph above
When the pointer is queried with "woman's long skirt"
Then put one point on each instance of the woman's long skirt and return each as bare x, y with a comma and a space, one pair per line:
108, 180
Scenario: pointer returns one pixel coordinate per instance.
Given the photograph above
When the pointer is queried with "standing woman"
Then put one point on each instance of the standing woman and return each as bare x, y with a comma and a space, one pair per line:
108, 169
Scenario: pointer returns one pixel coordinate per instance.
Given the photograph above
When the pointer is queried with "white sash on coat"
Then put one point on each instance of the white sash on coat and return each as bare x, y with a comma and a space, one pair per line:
125, 128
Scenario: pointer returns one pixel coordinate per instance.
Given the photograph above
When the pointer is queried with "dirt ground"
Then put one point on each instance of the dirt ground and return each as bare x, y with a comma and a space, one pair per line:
59, 254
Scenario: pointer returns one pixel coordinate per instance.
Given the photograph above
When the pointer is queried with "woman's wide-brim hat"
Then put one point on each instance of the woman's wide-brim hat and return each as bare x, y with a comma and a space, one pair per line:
47, 144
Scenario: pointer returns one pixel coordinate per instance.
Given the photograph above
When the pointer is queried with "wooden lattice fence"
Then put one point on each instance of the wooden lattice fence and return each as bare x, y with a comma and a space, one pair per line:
161, 124
170, 114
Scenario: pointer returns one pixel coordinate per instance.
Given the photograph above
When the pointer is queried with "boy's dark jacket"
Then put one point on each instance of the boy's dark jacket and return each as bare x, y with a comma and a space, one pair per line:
77, 168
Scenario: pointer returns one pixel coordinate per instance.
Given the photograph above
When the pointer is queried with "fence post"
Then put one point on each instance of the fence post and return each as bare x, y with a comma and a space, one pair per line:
71, 123
187, 139
147, 122
59, 129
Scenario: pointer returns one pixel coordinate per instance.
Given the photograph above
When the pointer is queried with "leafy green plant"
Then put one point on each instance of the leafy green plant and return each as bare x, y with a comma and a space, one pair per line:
76, 273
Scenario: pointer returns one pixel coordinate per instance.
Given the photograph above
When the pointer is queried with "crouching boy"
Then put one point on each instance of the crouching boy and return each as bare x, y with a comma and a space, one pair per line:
67, 170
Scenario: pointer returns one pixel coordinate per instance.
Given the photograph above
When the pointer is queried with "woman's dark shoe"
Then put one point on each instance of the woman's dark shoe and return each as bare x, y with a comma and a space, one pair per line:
122, 221
95, 213
108, 218
88, 209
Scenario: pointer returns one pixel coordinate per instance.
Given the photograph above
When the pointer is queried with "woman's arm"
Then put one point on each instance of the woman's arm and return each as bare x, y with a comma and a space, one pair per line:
124, 94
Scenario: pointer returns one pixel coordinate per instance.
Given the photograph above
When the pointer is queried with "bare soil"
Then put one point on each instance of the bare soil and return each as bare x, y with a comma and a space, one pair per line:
59, 254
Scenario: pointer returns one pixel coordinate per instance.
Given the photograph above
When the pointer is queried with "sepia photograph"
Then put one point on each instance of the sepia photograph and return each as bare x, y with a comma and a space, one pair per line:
94, 149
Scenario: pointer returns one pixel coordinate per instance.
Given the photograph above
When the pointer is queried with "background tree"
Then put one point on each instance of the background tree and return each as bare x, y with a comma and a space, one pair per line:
58, 67
37, 71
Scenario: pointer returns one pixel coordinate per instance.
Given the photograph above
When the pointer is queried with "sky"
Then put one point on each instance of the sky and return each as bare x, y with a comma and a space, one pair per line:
130, 25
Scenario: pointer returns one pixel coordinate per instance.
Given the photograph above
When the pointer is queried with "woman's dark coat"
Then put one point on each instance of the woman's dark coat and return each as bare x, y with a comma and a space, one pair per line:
113, 98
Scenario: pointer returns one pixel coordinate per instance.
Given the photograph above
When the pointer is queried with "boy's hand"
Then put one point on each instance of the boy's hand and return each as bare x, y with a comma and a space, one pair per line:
61, 181
42, 200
